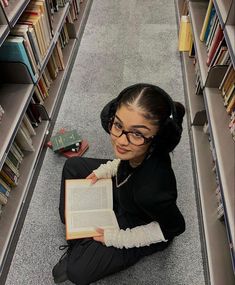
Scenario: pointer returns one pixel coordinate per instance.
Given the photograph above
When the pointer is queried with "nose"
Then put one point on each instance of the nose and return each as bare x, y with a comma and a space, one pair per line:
122, 140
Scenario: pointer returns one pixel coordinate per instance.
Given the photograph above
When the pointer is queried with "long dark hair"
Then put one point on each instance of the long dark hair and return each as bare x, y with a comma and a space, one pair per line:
158, 107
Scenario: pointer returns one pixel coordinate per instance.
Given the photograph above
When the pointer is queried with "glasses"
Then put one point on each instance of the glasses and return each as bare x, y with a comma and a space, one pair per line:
134, 138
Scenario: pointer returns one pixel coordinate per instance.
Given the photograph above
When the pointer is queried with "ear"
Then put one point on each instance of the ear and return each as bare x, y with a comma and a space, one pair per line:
107, 113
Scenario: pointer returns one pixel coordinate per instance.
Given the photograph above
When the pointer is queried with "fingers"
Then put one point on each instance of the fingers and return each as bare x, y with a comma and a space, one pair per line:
93, 178
99, 238
100, 231
90, 176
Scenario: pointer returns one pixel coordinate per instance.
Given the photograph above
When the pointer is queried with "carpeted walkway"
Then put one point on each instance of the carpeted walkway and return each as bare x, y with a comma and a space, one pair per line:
124, 42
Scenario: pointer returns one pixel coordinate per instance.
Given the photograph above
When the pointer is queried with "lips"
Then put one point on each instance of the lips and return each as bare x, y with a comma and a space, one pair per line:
121, 150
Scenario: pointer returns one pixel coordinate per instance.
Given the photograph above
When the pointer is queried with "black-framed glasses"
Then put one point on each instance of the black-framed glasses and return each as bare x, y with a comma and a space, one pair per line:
134, 138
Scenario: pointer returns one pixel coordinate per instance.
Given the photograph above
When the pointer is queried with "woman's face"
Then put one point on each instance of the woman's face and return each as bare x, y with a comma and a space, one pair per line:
130, 118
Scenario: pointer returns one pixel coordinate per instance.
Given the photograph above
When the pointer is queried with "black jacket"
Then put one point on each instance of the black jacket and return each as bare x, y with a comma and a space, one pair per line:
150, 194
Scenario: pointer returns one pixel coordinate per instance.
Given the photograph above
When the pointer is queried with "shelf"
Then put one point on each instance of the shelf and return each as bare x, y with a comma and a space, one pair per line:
13, 208
68, 53
59, 20
58, 83
218, 237
4, 31
85, 7
178, 9
4, 28
195, 102
225, 153
222, 9
229, 33
14, 99
14, 10
197, 15
217, 247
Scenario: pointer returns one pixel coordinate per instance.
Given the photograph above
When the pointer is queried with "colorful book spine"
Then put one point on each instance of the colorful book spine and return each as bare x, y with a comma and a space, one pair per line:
206, 20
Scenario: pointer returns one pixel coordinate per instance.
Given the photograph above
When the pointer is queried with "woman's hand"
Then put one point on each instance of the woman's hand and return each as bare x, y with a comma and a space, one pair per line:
101, 237
93, 178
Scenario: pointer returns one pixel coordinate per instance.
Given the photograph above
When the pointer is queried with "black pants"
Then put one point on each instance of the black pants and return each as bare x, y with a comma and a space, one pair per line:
90, 260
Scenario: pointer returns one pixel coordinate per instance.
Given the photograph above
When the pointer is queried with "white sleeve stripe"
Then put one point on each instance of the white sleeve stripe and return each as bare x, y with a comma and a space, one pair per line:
107, 170
136, 237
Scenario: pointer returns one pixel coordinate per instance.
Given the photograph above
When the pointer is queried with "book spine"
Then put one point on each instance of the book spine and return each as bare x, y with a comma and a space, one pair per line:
206, 21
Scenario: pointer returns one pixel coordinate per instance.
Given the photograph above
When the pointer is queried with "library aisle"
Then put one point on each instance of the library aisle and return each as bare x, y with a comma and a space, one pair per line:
124, 42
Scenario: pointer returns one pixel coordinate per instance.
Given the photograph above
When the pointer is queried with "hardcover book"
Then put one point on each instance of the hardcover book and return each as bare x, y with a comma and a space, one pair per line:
65, 141
88, 207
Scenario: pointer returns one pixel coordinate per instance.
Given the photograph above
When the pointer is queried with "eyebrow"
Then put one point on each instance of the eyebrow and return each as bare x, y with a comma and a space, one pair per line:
135, 126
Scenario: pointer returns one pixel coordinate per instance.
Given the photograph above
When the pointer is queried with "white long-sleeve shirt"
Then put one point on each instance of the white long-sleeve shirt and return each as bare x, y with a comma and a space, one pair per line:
135, 237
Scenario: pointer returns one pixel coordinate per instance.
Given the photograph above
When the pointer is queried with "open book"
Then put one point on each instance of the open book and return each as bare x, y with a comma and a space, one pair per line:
88, 207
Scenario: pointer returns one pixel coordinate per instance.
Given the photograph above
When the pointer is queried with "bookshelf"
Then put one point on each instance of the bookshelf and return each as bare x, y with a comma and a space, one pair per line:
4, 28
14, 10
218, 238
16, 92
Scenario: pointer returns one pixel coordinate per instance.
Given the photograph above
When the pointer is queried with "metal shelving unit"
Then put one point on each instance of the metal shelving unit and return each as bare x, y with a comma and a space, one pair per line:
21, 94
218, 238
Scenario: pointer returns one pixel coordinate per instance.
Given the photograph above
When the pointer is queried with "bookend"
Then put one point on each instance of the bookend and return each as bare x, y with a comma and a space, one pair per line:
71, 30
43, 112
15, 72
200, 118
215, 75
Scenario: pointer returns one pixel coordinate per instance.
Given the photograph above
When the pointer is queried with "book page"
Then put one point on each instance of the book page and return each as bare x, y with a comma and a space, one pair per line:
82, 195
91, 220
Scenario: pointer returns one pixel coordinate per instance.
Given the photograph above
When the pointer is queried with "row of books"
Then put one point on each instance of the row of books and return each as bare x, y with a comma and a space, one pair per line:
232, 125
1, 113
52, 4
9, 174
198, 83
56, 4
218, 195
23, 142
31, 37
227, 88
218, 54
213, 36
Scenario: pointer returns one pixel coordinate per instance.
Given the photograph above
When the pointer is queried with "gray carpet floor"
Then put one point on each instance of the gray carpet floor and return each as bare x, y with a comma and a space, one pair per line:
124, 42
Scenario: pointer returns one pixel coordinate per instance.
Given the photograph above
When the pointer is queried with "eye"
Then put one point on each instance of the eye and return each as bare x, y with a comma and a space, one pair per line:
136, 134
117, 125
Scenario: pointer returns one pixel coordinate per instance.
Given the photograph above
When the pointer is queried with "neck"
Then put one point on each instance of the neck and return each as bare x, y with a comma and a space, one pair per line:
136, 162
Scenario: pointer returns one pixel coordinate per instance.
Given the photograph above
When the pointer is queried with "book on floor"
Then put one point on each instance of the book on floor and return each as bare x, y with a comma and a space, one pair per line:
83, 147
65, 141
71, 151
88, 207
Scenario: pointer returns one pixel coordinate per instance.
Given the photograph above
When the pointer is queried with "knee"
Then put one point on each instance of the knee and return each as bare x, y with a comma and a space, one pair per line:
70, 165
77, 273
71, 162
